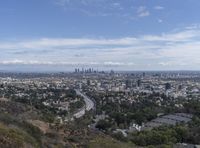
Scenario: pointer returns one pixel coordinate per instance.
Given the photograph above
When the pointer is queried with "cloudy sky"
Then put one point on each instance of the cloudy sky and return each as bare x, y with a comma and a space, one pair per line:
104, 34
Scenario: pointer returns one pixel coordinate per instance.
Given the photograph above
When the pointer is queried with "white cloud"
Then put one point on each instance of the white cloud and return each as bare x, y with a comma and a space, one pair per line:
94, 8
62, 2
119, 63
160, 20
103, 8
185, 35
158, 7
167, 49
142, 11
62, 42
30, 62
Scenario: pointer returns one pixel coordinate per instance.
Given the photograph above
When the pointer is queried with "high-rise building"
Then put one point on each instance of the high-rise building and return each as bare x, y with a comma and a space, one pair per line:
167, 86
139, 82
143, 74
128, 83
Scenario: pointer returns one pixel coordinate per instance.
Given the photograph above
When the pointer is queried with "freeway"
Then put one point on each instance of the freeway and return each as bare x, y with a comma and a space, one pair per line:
89, 104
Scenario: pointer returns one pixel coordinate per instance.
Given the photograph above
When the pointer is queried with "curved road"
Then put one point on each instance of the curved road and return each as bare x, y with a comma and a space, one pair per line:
89, 104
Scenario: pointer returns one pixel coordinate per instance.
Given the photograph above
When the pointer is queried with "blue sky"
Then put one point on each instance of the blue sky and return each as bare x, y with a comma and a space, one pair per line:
104, 34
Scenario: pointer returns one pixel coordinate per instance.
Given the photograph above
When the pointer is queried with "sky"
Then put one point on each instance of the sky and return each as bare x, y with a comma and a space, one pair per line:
60, 35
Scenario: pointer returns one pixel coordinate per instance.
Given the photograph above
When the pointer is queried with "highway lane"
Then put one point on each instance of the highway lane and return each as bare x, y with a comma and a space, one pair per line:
89, 105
